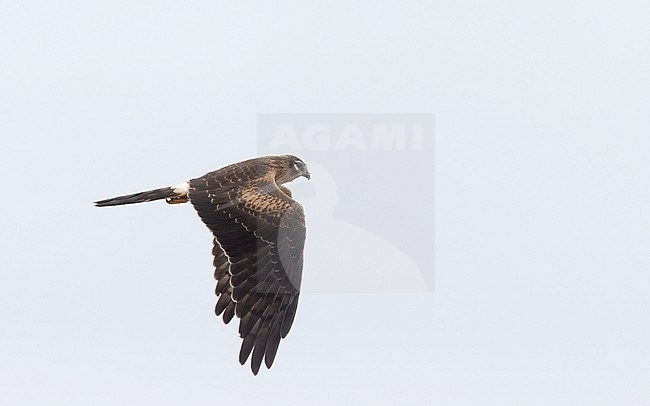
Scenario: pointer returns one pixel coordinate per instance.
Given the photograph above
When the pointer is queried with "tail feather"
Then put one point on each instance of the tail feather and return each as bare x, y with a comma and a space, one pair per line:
148, 196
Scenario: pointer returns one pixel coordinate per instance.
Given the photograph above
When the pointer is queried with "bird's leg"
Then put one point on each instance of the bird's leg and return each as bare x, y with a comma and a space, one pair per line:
178, 199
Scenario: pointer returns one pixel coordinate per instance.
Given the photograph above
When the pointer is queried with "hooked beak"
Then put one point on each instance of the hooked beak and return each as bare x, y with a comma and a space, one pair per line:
306, 174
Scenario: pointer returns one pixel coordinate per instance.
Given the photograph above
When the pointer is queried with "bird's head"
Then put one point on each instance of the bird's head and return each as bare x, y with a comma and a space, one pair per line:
289, 168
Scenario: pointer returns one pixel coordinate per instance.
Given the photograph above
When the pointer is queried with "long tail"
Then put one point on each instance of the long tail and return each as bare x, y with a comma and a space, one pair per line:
173, 194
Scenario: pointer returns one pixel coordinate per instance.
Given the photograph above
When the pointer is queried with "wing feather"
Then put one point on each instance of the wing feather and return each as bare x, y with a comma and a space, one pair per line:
258, 255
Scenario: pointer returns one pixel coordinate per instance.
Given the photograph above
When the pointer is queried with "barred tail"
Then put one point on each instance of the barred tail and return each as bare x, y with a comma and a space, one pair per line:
173, 194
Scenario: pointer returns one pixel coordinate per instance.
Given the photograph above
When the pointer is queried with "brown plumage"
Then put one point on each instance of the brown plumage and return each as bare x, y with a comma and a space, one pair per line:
259, 236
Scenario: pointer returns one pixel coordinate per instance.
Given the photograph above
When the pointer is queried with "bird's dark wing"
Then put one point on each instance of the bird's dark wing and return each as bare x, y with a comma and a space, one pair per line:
225, 304
259, 239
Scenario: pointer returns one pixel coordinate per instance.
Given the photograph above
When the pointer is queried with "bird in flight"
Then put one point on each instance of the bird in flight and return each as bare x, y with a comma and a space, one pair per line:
259, 236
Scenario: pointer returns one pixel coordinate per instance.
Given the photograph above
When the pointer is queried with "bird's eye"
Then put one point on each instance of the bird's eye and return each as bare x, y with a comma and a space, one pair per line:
295, 166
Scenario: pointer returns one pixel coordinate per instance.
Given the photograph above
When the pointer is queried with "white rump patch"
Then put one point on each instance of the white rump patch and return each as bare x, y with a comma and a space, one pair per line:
181, 188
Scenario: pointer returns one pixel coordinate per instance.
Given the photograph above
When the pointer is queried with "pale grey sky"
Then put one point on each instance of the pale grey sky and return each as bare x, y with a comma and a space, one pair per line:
541, 179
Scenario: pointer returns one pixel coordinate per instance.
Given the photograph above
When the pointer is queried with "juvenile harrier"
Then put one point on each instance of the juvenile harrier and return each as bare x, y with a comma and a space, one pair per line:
259, 235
